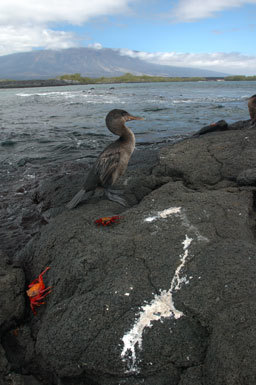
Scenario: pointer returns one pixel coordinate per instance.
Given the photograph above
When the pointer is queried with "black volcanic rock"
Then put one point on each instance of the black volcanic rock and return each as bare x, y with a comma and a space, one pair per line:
88, 62
212, 160
34, 83
221, 125
164, 297
247, 177
12, 307
11, 293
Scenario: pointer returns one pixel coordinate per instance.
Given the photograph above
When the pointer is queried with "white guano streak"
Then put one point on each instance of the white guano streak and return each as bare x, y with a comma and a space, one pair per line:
183, 217
162, 306
164, 214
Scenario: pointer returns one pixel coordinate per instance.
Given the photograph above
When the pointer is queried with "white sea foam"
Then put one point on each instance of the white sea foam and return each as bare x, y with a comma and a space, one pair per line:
65, 94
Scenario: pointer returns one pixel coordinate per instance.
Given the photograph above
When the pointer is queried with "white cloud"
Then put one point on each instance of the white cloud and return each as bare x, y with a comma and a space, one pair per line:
46, 11
192, 10
27, 24
231, 63
20, 39
95, 46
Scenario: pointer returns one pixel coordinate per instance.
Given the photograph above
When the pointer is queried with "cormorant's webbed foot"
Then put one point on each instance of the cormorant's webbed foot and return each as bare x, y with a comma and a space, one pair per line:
112, 195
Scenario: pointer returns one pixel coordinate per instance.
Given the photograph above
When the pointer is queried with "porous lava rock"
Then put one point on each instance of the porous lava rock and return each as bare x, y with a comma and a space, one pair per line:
164, 297
12, 284
12, 305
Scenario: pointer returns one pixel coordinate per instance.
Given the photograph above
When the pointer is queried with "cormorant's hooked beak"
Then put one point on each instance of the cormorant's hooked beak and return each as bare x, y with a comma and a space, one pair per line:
131, 117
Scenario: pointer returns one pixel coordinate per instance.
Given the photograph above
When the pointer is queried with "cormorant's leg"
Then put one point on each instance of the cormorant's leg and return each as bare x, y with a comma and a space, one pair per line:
79, 197
112, 196
115, 191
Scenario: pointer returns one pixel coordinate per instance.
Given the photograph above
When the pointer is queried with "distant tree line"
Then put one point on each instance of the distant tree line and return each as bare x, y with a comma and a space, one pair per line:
240, 78
130, 78
126, 78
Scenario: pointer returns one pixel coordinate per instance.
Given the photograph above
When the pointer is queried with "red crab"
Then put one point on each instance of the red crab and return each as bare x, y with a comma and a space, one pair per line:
37, 291
107, 221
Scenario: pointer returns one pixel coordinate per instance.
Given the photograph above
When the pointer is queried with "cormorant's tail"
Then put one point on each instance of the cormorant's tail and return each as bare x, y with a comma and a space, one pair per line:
81, 195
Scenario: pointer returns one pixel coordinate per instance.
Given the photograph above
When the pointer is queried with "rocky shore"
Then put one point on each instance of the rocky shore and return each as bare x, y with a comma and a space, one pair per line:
166, 296
35, 83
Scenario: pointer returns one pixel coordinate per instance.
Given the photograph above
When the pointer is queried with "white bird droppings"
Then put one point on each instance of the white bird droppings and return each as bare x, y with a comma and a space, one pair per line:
183, 217
164, 214
162, 306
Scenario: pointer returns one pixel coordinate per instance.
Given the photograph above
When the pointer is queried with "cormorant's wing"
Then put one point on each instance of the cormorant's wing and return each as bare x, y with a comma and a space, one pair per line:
106, 166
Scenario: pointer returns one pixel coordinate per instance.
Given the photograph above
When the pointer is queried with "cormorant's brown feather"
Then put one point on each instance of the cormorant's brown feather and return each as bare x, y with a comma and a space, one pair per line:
106, 166
113, 161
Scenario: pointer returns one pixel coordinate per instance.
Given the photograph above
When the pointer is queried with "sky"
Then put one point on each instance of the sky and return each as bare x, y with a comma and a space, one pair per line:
219, 35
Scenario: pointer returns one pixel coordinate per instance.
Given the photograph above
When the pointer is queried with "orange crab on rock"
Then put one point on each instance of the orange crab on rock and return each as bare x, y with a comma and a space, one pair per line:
37, 291
107, 221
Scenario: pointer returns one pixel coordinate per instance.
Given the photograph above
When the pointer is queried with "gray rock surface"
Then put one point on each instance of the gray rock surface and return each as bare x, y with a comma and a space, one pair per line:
210, 161
247, 177
12, 306
12, 302
221, 125
167, 296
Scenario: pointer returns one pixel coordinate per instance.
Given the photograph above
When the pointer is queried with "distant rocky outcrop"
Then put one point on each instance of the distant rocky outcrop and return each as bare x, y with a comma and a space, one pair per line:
34, 83
164, 297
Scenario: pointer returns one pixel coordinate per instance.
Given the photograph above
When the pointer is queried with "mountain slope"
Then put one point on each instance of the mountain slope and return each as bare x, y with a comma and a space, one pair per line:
89, 62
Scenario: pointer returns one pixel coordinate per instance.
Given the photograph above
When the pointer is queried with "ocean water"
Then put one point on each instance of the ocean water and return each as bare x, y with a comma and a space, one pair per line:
49, 125
44, 130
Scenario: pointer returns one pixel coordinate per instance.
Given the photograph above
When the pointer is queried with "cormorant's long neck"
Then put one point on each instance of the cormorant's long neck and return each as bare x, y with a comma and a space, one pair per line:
127, 136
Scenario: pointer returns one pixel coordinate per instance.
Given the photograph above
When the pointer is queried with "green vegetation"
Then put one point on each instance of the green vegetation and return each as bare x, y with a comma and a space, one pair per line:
127, 78
130, 78
239, 78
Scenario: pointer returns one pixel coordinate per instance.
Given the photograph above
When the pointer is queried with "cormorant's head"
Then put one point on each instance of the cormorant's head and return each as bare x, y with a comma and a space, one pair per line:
116, 119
